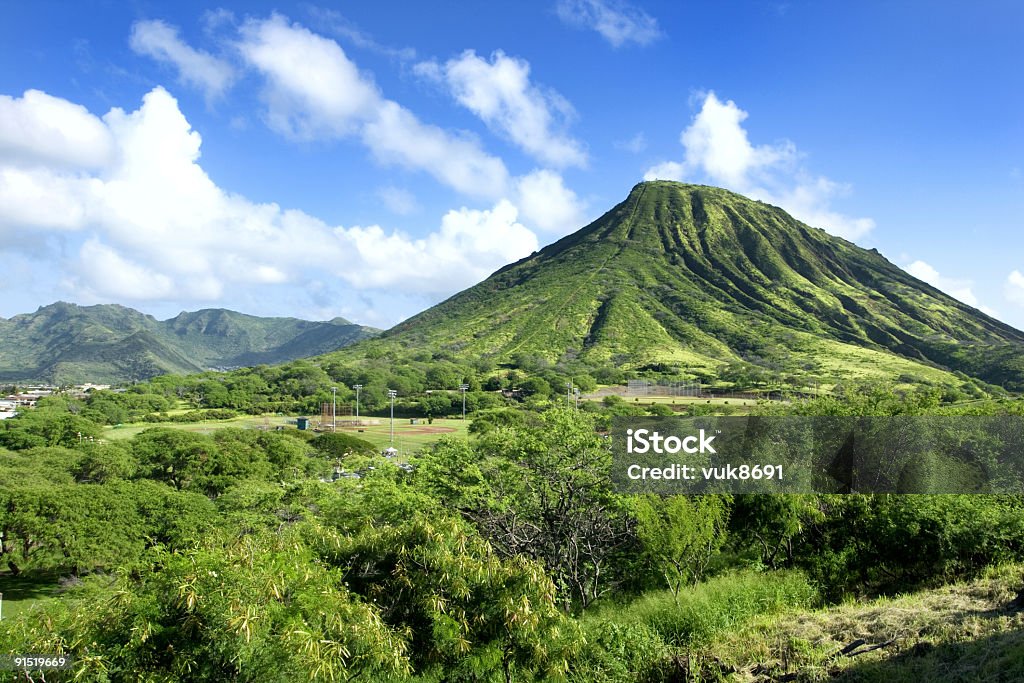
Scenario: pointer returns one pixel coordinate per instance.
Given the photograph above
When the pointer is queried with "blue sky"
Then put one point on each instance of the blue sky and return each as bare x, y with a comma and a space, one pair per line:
370, 159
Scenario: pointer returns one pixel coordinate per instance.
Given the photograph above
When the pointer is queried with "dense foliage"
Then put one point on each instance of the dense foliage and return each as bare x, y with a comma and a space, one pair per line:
506, 556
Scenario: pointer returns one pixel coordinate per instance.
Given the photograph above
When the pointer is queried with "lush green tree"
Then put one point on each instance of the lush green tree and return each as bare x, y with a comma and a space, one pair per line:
584, 382
444, 376
536, 387
449, 470
338, 445
681, 534
264, 454
488, 420
885, 543
47, 425
259, 608
468, 615
659, 409
210, 464
438, 403
176, 457
83, 527
103, 462
552, 500
772, 524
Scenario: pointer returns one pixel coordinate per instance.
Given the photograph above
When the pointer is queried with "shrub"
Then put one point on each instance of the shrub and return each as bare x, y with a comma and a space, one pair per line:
718, 605
620, 652
338, 444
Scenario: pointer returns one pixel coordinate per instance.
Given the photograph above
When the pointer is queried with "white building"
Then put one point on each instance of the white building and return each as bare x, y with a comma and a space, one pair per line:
8, 409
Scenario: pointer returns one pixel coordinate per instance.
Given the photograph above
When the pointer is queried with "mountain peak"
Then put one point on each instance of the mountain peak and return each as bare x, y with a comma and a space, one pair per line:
701, 278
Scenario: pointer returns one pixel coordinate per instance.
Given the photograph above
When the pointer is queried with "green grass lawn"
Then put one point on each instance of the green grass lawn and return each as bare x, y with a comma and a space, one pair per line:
127, 431
409, 438
21, 592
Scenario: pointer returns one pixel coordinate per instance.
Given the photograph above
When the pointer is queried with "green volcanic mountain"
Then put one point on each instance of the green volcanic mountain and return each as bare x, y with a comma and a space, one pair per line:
65, 343
707, 281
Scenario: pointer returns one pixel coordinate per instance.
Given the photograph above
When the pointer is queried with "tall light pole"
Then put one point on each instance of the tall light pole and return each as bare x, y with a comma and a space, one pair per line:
334, 409
391, 394
462, 388
357, 387
568, 394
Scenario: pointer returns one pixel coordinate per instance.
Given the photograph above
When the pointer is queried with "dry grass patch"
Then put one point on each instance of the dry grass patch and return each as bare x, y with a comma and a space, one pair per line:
964, 632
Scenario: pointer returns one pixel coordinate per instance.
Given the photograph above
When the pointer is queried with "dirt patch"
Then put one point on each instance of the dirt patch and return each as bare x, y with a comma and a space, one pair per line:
428, 430
404, 430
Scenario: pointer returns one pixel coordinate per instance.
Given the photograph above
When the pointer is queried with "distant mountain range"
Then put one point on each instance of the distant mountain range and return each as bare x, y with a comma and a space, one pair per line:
708, 281
66, 343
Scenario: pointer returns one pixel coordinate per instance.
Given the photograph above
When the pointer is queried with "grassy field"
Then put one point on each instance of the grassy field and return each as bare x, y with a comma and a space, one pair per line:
408, 437
21, 592
127, 431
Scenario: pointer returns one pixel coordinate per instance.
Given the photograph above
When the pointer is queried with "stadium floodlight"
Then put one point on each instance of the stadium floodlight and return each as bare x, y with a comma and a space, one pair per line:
391, 394
357, 387
334, 409
463, 388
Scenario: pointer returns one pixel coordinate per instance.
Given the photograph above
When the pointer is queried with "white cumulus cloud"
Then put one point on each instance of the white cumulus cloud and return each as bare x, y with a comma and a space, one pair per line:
312, 88
959, 289
37, 128
397, 136
111, 274
152, 225
617, 21
717, 144
666, 170
314, 91
500, 92
548, 204
52, 199
1013, 288
159, 40
449, 256
717, 149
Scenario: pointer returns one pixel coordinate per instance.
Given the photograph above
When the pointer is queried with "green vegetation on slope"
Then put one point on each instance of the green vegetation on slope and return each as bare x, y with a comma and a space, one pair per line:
699, 278
970, 631
66, 344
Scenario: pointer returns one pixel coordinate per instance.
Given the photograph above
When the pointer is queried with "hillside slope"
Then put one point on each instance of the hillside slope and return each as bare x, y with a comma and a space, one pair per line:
971, 631
701, 278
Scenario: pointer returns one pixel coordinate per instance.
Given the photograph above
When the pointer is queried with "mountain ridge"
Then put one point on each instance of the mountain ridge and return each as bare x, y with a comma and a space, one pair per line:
109, 343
